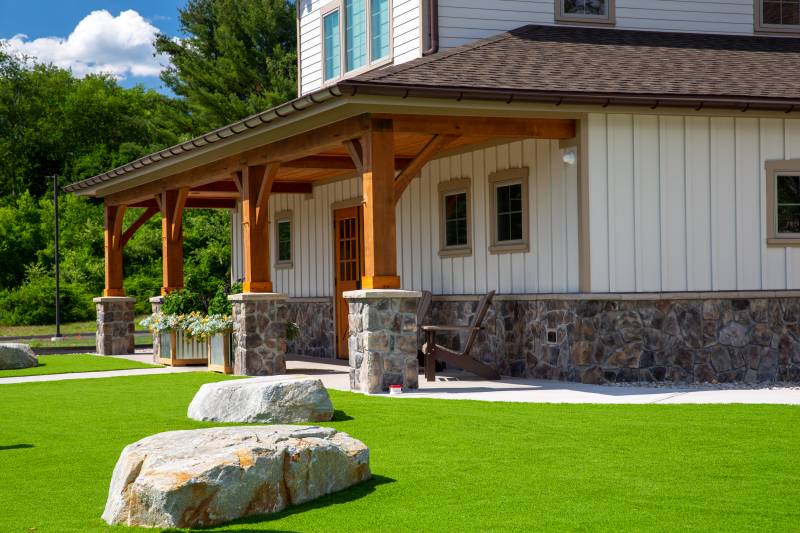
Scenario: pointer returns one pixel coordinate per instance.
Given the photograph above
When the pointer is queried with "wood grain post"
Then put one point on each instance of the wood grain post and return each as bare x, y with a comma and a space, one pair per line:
112, 233
172, 204
256, 187
380, 233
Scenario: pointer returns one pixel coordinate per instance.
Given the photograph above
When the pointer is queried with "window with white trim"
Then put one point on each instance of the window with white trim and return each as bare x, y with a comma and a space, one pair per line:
331, 36
356, 35
591, 11
777, 15
783, 203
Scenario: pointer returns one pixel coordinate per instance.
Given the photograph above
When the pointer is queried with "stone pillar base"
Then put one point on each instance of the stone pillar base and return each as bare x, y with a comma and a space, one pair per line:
259, 331
155, 307
115, 315
383, 339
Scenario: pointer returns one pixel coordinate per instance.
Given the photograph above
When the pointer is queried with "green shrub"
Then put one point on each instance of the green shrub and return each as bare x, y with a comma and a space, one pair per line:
33, 302
182, 302
219, 304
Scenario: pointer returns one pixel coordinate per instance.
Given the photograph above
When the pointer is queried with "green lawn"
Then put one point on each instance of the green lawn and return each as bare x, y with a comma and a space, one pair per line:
71, 342
66, 329
66, 364
439, 465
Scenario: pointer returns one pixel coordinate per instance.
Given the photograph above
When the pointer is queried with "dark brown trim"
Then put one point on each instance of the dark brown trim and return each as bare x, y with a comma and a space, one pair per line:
652, 101
433, 28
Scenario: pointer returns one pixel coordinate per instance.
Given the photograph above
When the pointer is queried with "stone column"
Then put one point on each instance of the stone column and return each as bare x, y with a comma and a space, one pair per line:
155, 307
383, 339
259, 332
115, 316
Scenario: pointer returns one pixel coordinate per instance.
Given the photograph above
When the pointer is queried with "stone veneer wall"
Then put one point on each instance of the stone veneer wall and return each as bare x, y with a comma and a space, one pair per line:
259, 330
683, 338
115, 328
382, 343
314, 317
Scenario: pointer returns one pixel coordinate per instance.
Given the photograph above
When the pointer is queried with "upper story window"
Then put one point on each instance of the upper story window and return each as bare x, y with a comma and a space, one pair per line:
356, 34
592, 11
778, 15
783, 203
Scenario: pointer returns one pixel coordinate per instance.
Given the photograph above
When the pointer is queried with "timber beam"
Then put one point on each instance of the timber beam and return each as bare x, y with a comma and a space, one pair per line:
380, 233
310, 142
112, 236
172, 204
438, 143
533, 128
256, 188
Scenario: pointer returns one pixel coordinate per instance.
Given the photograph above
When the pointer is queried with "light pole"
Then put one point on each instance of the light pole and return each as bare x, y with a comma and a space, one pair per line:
58, 335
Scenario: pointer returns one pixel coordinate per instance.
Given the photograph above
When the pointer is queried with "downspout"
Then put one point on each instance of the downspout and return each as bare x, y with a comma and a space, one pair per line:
433, 28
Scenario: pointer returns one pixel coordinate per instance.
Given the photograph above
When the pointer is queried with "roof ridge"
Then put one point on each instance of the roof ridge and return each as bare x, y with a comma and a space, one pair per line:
426, 60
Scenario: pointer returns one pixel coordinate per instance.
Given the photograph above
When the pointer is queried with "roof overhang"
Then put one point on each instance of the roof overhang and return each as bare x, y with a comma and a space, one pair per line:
351, 98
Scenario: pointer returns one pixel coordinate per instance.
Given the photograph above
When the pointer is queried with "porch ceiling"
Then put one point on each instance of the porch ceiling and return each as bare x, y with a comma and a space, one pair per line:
331, 152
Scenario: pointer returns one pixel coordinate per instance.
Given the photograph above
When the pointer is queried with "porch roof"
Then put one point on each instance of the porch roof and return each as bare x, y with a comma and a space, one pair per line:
606, 65
544, 64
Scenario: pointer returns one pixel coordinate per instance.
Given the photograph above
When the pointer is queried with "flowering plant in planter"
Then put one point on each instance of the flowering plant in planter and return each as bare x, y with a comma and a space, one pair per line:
204, 327
160, 322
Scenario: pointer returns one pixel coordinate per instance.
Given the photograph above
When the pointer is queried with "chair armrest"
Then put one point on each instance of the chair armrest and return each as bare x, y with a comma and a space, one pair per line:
451, 328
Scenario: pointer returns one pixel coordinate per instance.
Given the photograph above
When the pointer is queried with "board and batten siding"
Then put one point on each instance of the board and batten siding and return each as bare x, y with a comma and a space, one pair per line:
406, 38
462, 21
550, 265
678, 203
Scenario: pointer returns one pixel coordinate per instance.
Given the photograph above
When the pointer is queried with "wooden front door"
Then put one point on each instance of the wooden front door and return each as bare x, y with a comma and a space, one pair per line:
348, 245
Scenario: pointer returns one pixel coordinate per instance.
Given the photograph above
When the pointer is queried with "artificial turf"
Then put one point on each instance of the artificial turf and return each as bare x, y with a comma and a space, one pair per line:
68, 364
439, 465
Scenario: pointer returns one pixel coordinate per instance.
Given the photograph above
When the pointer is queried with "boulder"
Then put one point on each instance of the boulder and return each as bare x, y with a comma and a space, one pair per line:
14, 356
210, 476
262, 400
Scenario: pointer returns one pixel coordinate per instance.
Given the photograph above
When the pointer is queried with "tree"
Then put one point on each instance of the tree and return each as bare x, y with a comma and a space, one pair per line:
239, 58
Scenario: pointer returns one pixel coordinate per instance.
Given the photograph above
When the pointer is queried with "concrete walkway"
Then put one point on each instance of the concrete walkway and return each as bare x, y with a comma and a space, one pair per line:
460, 386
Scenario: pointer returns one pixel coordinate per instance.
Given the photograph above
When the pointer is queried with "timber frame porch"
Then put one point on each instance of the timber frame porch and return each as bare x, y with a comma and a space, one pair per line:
387, 150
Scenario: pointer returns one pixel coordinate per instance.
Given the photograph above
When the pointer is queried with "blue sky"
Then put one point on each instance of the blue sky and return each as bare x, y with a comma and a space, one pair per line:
91, 35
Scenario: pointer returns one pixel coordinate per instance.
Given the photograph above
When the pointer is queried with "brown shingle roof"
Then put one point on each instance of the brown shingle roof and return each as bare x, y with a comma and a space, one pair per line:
550, 59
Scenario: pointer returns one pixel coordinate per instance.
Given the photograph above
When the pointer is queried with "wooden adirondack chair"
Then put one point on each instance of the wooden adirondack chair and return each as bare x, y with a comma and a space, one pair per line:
436, 352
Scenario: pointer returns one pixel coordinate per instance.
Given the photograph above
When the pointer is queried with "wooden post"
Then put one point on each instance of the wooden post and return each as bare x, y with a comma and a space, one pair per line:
172, 204
113, 250
256, 187
380, 235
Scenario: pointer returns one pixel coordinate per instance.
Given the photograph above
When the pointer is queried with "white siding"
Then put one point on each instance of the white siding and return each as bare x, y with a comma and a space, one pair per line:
551, 265
462, 21
692, 214
406, 38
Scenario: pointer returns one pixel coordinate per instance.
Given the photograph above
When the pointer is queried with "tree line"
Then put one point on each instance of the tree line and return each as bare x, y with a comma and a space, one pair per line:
235, 58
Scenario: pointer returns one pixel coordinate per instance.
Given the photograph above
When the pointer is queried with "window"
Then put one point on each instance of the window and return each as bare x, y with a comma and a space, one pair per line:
356, 34
331, 35
380, 29
777, 15
509, 210
783, 203
592, 11
283, 239
455, 225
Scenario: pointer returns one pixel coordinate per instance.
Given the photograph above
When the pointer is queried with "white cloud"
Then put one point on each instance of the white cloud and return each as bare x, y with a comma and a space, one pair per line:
120, 46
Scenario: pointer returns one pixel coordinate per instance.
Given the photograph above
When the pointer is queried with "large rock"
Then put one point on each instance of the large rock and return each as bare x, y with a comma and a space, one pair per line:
262, 400
209, 476
14, 356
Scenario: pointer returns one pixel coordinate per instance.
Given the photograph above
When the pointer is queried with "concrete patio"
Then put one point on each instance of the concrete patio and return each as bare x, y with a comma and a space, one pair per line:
461, 386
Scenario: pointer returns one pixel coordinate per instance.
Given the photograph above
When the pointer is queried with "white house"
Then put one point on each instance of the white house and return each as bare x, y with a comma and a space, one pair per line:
624, 174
